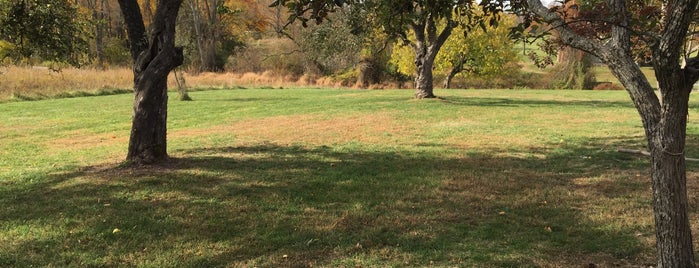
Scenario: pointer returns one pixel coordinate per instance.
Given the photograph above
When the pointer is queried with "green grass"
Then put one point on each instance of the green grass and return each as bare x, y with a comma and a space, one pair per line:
332, 178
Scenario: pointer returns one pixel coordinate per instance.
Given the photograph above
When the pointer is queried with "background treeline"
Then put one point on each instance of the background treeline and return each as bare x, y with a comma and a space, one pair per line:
246, 36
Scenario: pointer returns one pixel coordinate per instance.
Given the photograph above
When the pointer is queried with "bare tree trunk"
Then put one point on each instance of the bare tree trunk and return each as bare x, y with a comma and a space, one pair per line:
668, 170
205, 22
148, 142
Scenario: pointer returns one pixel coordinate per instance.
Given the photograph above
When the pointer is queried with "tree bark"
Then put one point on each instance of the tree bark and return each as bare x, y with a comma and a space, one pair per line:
148, 141
424, 84
668, 170
427, 44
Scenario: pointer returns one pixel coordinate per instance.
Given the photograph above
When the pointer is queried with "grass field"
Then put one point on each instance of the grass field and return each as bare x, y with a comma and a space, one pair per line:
333, 178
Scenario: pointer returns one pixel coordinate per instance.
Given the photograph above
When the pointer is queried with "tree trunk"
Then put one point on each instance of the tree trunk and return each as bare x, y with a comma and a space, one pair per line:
665, 127
668, 170
205, 23
98, 15
457, 67
148, 141
367, 72
424, 84
428, 42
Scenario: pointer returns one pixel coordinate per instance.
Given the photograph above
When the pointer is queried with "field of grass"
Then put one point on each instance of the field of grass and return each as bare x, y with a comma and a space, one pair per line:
333, 178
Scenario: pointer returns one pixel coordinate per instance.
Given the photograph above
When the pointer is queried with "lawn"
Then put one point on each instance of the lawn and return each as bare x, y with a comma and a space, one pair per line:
333, 178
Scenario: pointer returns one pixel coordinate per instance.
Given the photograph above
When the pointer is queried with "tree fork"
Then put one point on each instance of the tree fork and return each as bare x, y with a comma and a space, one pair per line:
153, 61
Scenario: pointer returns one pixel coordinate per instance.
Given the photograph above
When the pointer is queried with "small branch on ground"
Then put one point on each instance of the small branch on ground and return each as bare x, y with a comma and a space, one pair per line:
646, 153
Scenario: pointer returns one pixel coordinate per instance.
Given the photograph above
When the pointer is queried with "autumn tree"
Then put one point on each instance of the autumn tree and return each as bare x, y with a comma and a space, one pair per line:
665, 122
154, 57
398, 18
480, 53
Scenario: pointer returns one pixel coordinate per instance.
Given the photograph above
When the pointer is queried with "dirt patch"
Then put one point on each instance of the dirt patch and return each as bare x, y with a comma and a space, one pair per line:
79, 141
366, 128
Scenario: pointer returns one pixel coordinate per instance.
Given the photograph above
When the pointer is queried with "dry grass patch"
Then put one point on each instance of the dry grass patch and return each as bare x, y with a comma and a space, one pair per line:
309, 129
78, 140
36, 82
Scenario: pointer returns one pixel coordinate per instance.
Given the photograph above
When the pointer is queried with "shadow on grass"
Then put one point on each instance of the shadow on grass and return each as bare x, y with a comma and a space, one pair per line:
505, 102
294, 206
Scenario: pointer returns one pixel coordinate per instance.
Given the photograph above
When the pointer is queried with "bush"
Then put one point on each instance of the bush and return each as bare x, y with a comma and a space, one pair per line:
116, 52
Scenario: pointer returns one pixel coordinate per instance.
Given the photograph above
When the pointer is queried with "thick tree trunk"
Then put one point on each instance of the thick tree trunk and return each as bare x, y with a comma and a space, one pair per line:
674, 237
668, 172
424, 84
148, 141
428, 42
665, 127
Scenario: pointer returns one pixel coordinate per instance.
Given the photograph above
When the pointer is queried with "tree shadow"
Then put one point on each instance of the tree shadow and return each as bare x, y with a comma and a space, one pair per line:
510, 102
294, 206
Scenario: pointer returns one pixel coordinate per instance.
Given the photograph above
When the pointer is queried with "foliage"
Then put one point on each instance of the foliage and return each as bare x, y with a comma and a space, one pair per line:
212, 30
485, 53
592, 18
50, 30
397, 18
330, 46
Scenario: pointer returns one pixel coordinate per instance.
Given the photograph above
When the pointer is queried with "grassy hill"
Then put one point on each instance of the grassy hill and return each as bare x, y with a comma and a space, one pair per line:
333, 178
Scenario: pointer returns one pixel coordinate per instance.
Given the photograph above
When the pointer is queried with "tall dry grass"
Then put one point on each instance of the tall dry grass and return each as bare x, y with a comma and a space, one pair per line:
39, 82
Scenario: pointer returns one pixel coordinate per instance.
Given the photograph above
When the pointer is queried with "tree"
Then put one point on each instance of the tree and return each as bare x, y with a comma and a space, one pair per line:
205, 19
330, 46
422, 18
483, 53
99, 15
397, 18
154, 57
51, 30
211, 30
664, 122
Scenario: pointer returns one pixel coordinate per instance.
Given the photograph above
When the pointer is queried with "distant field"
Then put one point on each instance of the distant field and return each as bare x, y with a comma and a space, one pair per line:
334, 178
